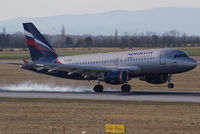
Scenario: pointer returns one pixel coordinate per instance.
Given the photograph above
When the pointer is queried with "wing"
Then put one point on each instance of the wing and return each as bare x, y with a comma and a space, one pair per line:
86, 71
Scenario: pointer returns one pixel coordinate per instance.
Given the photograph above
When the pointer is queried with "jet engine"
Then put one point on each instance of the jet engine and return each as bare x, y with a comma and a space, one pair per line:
155, 79
116, 77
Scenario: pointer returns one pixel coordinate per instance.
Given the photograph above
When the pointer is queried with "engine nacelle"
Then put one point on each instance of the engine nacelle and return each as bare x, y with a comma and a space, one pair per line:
116, 77
155, 79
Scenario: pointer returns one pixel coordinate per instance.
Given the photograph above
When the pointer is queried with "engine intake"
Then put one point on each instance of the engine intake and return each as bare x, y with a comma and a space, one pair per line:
116, 77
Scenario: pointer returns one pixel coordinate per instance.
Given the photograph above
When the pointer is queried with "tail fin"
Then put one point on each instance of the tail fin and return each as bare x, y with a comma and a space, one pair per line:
38, 46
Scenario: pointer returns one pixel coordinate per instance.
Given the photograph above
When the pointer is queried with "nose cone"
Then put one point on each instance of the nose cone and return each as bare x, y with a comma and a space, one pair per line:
191, 63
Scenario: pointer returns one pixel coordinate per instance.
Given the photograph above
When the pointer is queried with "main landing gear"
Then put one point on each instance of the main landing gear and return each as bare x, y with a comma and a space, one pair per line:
170, 85
98, 88
125, 88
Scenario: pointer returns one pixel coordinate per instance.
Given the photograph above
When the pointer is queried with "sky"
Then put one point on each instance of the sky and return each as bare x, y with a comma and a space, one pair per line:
39, 8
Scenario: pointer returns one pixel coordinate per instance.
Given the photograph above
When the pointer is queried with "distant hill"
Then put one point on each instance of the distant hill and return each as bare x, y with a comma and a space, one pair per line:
157, 20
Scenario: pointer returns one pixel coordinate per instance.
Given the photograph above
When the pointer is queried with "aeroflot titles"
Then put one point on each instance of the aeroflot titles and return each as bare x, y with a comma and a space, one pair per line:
140, 53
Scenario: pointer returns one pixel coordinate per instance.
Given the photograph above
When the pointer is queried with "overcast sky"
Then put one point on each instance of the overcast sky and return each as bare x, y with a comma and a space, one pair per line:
37, 8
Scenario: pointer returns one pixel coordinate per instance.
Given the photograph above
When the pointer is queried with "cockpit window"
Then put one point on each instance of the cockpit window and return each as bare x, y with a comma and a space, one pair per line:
180, 55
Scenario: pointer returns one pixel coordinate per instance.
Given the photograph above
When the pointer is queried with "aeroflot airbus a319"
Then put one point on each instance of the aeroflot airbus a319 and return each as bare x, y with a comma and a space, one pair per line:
154, 66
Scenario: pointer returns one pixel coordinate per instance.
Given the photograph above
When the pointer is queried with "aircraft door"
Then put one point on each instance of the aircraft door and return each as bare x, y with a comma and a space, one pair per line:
163, 57
116, 61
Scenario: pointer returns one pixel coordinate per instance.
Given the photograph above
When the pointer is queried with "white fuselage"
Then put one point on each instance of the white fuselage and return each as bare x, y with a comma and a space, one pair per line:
148, 61
112, 59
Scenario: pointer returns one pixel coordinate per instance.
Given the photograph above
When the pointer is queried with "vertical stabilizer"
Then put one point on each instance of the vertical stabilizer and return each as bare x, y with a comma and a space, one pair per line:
38, 46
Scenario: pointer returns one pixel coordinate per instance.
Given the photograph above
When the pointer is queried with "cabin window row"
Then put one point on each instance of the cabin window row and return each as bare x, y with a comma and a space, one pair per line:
112, 61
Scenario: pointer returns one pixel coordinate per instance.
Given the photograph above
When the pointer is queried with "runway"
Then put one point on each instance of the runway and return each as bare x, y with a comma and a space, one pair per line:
158, 96
115, 95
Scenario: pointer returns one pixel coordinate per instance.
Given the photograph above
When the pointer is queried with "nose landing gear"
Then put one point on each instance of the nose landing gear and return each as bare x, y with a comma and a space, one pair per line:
170, 85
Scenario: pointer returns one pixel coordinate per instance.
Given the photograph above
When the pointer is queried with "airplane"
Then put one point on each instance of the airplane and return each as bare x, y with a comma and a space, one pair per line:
155, 66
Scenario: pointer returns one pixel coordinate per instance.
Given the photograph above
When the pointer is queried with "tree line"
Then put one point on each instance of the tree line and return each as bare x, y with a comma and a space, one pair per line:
170, 39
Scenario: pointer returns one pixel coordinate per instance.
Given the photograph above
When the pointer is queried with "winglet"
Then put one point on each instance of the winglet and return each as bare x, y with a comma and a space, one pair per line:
25, 61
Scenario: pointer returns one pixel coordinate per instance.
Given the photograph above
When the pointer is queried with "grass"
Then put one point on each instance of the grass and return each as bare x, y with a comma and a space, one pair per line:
14, 55
35, 116
192, 51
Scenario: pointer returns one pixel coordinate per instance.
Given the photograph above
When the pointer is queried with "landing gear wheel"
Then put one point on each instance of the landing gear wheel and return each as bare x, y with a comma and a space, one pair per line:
126, 88
98, 88
170, 85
